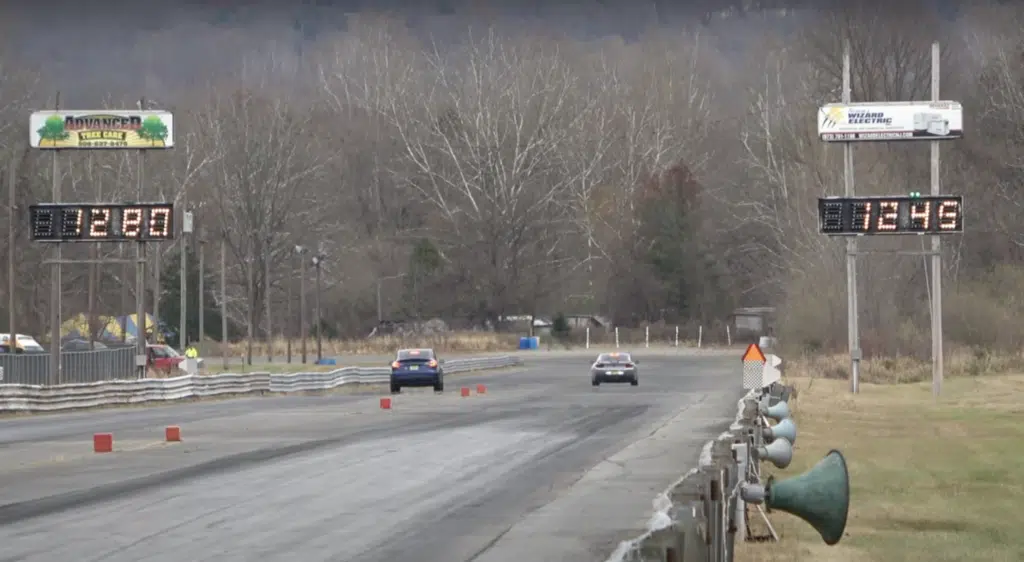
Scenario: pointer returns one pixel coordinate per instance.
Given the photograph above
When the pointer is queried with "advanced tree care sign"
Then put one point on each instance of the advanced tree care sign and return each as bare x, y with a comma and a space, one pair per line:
891, 121
89, 129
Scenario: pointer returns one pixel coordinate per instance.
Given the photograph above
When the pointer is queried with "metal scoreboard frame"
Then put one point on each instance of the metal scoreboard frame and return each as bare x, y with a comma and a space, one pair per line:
102, 222
891, 215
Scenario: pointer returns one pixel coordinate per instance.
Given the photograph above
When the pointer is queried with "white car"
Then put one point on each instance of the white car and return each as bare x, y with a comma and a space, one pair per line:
614, 367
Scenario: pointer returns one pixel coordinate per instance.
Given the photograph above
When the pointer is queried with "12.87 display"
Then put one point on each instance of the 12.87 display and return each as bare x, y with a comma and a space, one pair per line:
853, 216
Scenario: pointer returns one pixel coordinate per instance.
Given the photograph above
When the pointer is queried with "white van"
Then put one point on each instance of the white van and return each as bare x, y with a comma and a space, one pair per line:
25, 344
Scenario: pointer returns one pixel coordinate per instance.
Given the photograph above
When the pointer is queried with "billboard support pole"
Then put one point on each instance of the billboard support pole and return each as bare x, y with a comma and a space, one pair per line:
936, 247
140, 272
55, 279
12, 180
853, 328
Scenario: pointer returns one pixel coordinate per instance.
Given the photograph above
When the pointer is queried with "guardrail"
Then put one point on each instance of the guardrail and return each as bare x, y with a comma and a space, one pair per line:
704, 514
36, 398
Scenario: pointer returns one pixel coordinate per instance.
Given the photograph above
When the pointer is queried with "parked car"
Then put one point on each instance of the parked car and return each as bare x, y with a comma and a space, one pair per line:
163, 358
24, 344
80, 345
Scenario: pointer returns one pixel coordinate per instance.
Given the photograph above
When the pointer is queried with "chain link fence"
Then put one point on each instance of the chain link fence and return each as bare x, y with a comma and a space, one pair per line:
76, 366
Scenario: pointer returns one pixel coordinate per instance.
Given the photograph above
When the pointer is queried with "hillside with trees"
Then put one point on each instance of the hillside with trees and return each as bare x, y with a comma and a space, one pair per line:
667, 175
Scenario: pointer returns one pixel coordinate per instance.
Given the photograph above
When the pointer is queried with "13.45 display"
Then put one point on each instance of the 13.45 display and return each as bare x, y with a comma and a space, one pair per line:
102, 222
854, 216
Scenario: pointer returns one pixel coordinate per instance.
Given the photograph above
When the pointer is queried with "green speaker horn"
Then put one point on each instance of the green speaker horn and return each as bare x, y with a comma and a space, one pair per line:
820, 496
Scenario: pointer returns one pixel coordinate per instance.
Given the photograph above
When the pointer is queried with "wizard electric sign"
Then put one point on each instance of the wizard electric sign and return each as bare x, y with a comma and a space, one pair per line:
101, 129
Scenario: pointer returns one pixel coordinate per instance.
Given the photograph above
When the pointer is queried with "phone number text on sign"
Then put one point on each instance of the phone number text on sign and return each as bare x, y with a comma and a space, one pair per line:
114, 222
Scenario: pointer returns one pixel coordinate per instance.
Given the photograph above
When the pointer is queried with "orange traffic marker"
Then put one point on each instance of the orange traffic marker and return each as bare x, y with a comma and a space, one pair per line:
465, 392
754, 353
103, 442
385, 403
481, 389
172, 433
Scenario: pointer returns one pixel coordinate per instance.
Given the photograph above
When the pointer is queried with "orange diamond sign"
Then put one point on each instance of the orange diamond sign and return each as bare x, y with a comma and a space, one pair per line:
754, 354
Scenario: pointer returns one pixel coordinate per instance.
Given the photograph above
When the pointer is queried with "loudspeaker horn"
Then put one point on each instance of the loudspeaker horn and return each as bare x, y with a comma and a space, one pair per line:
778, 452
820, 496
778, 412
785, 429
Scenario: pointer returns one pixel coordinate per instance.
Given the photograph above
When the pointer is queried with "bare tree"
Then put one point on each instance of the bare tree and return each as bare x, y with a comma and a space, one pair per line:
264, 183
482, 136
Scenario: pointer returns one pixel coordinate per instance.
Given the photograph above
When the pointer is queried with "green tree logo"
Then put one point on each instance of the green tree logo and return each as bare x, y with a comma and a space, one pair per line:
53, 131
153, 130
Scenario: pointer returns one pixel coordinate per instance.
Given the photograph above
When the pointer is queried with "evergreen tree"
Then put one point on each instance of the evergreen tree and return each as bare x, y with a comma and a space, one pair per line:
170, 301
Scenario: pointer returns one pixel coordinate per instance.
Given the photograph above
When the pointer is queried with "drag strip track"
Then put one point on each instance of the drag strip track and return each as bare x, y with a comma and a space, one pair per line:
541, 467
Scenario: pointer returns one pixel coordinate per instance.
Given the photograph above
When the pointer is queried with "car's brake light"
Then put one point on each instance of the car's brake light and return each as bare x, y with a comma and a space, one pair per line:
629, 365
396, 365
599, 365
433, 363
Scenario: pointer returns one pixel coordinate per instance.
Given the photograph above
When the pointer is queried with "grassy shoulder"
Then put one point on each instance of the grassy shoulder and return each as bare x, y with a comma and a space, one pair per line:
931, 480
461, 343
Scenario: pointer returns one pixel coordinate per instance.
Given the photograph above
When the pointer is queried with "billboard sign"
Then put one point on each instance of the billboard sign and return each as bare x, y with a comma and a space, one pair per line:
101, 129
891, 121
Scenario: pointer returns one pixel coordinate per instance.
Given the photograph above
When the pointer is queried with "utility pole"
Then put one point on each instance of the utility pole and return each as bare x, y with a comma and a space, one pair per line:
250, 313
303, 327
140, 271
852, 308
55, 280
124, 293
224, 301
266, 302
202, 291
186, 228
157, 285
318, 261
12, 180
937, 358
93, 255
289, 324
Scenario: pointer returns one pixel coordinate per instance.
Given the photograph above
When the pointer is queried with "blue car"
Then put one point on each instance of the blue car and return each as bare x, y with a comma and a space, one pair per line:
417, 367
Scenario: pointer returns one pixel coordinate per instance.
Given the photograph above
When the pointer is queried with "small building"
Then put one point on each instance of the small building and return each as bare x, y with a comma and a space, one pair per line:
753, 321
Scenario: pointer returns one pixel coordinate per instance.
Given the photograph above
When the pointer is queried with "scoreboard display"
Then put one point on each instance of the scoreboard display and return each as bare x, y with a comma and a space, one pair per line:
102, 222
858, 216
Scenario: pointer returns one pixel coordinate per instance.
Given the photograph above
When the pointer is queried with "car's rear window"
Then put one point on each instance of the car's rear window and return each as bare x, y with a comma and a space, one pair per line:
613, 358
415, 354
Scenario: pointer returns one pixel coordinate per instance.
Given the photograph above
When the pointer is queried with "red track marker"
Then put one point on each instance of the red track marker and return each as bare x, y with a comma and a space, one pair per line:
103, 442
385, 403
172, 433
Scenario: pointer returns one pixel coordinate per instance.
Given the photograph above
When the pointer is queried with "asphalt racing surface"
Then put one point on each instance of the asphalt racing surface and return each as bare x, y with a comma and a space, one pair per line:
541, 467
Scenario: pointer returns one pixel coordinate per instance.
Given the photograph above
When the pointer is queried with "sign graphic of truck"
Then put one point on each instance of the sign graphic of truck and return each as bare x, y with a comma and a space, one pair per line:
932, 123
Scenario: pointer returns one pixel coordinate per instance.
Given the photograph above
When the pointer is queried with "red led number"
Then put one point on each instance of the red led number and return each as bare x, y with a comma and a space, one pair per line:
888, 216
99, 223
949, 215
131, 222
920, 215
159, 222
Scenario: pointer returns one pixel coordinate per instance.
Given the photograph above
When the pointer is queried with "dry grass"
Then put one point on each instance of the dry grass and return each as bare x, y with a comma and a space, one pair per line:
930, 480
887, 370
453, 342
469, 342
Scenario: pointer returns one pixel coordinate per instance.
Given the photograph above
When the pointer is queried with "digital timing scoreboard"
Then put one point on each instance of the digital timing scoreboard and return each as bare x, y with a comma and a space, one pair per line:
102, 222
